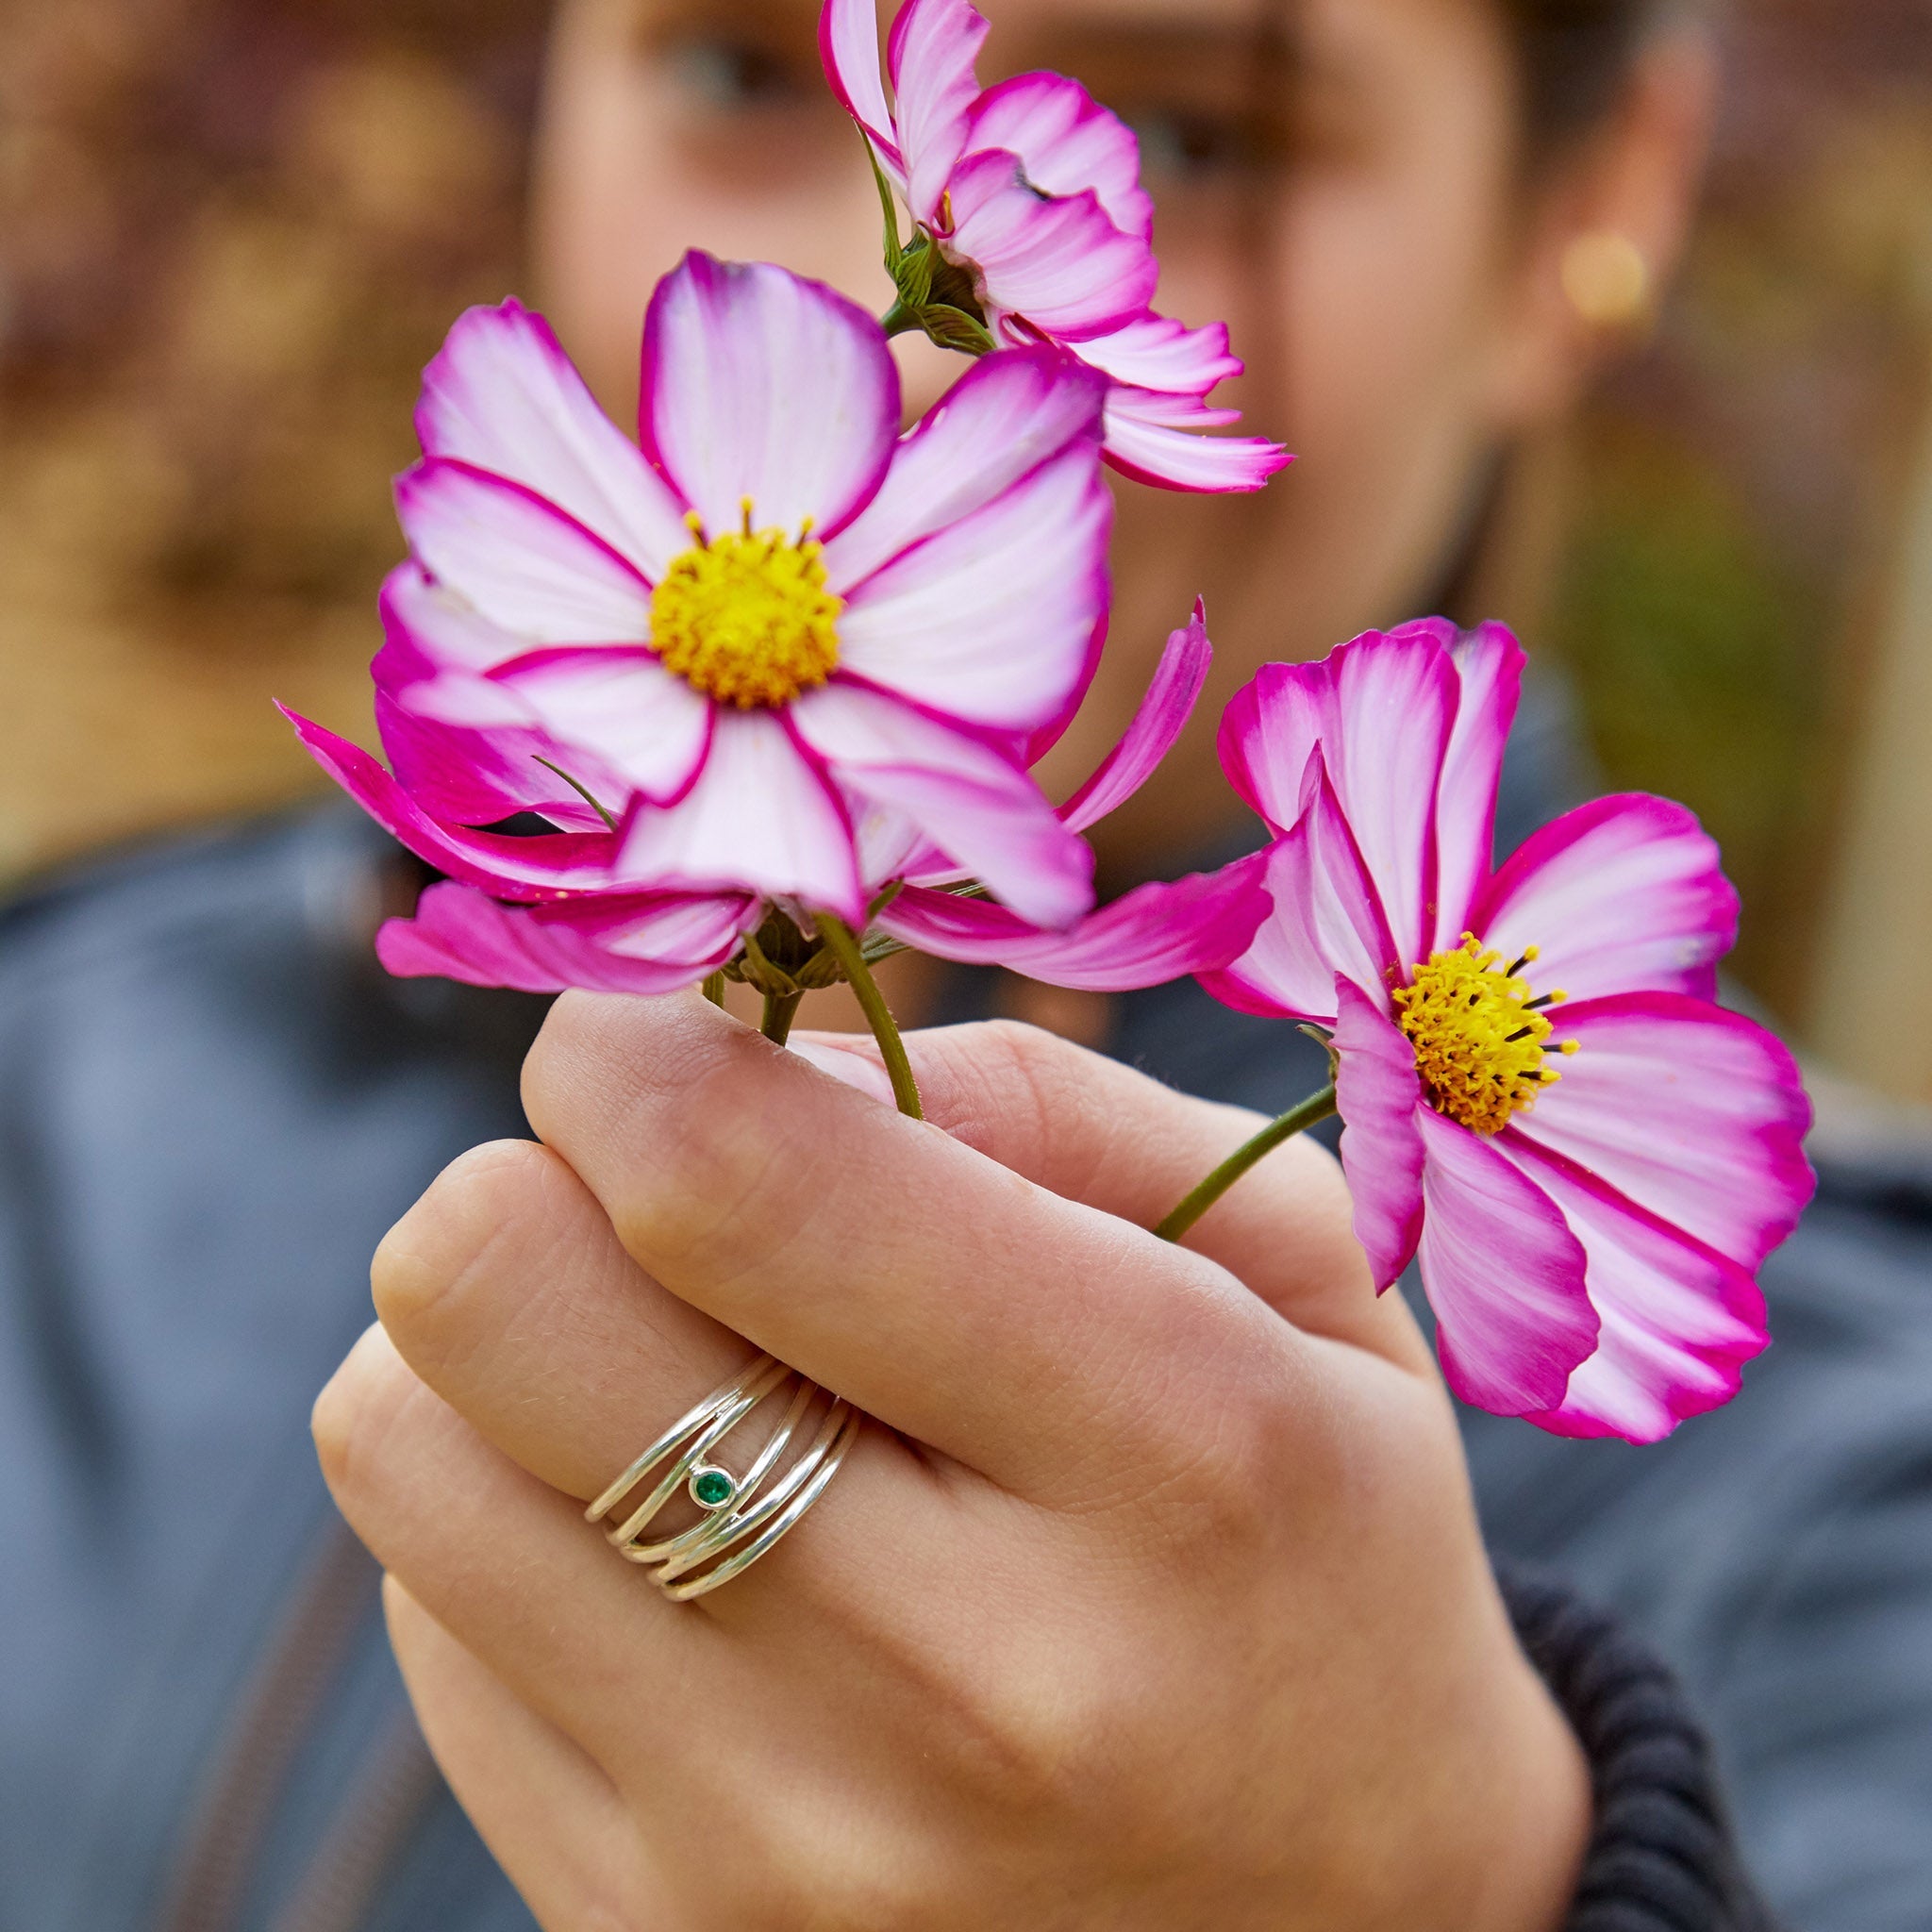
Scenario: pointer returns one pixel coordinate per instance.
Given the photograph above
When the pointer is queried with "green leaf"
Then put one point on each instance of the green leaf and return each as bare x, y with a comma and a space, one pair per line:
953, 328
913, 276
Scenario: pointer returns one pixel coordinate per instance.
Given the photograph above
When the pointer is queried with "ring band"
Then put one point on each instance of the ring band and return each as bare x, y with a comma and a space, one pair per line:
700, 1558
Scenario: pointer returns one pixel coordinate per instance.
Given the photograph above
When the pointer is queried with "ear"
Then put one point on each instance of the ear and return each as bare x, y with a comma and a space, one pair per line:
1604, 230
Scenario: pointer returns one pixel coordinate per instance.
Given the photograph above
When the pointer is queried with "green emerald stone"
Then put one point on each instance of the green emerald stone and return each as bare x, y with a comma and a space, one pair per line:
712, 1488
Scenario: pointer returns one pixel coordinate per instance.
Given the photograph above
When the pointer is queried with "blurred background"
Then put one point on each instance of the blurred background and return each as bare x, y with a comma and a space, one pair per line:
233, 232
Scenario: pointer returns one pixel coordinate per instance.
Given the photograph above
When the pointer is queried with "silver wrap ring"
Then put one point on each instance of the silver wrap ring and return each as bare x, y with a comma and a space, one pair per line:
744, 1515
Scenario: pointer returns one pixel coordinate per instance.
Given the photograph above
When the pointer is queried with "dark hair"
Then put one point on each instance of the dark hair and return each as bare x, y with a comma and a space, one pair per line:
1574, 56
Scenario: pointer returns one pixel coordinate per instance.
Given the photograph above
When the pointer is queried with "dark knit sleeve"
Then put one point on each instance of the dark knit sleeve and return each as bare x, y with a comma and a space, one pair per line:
1662, 1856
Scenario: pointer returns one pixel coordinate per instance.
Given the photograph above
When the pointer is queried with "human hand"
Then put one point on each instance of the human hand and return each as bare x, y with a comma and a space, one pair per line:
1164, 1606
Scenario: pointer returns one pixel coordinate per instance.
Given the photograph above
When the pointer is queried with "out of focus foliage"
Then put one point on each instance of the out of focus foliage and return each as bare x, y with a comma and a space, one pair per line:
231, 233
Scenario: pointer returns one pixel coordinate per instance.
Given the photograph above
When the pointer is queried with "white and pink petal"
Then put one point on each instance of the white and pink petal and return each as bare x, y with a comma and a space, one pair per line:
503, 396
1164, 356
430, 629
1162, 716
465, 749
1058, 263
931, 56
968, 799
1391, 704
1380, 710
1489, 670
1328, 921
1504, 1273
527, 868
475, 763
761, 386
640, 724
1378, 1096
1270, 736
762, 818
518, 560
1164, 442
635, 945
1067, 142
1679, 1321
996, 620
1158, 932
1695, 1114
1010, 412
849, 50
1625, 894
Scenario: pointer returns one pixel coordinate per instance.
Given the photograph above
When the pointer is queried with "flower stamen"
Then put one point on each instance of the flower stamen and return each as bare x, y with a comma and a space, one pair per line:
1479, 1036
746, 617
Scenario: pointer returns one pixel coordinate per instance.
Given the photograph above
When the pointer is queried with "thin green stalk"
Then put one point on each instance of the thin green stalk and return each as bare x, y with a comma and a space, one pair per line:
781, 1009
715, 989
844, 947
889, 207
1316, 1109
582, 791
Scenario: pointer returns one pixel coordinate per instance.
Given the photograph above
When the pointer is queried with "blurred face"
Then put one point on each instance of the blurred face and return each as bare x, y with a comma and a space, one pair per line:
1334, 178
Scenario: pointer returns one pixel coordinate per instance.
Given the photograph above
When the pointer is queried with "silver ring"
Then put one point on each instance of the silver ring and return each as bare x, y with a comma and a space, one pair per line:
735, 1506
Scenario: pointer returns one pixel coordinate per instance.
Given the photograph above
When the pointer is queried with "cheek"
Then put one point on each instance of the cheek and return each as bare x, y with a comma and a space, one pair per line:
628, 179
1387, 319
1387, 314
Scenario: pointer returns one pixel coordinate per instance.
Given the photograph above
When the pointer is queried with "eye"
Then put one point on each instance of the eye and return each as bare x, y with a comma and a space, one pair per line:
727, 73
1190, 147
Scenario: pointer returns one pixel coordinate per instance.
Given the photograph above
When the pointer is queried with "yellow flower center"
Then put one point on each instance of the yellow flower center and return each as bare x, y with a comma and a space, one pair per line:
1481, 1040
746, 617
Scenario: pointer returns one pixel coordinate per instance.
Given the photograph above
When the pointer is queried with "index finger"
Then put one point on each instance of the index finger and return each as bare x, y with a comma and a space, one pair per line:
1061, 1352
1087, 1127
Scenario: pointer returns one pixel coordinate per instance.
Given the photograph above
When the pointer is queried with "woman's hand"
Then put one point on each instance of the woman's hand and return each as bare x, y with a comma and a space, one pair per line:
1153, 1600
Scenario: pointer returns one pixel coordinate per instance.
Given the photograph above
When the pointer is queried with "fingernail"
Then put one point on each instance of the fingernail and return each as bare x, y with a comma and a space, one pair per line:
854, 1069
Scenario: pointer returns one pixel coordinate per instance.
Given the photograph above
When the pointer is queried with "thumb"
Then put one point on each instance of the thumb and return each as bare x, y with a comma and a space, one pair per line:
1091, 1130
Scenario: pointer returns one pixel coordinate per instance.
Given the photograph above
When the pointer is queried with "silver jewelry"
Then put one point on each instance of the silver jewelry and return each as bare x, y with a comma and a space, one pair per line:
701, 1558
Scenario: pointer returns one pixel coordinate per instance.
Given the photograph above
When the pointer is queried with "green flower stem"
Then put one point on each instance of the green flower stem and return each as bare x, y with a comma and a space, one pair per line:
900, 321
715, 989
887, 207
780, 1010
1313, 1110
844, 947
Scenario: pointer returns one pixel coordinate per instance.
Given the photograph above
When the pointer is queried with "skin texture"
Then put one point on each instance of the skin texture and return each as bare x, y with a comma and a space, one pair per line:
1166, 1607
1155, 1598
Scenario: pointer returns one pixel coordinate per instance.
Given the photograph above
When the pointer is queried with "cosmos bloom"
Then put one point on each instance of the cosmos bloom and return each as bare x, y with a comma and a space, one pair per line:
614, 941
778, 627
1028, 195
1541, 1103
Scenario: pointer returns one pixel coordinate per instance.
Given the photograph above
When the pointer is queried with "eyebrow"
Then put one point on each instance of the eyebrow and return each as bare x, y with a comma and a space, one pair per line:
1227, 38
1112, 46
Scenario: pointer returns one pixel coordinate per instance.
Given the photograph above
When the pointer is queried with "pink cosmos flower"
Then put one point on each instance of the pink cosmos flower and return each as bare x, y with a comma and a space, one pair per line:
776, 632
1541, 1103
614, 941
1030, 193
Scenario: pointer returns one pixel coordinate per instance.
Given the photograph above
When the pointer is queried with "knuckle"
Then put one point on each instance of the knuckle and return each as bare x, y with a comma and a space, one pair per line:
830, 1868
1020, 1093
701, 1165
356, 1409
1213, 1504
1070, 1746
425, 1260
1039, 1731
1039, 1069
722, 1190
